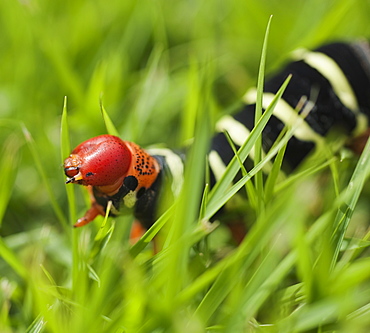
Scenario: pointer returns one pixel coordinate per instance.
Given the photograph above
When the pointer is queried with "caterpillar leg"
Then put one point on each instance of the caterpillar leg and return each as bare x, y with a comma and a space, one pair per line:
92, 212
89, 216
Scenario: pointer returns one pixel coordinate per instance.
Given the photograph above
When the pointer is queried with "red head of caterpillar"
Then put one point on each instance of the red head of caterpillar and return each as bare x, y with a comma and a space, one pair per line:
99, 161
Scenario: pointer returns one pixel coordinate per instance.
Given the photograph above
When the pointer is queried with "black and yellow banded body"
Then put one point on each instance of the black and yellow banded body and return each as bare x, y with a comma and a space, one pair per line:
335, 79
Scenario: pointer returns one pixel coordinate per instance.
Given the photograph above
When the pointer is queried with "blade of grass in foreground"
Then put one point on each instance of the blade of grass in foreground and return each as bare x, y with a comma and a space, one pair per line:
255, 135
274, 174
104, 234
234, 267
8, 168
64, 132
187, 204
258, 115
150, 234
65, 151
38, 325
350, 199
217, 196
250, 188
209, 276
36, 158
303, 174
258, 237
12, 260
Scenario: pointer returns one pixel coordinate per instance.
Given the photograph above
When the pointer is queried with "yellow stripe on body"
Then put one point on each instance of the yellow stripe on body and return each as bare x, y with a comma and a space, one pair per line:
237, 131
216, 164
175, 165
238, 134
329, 69
285, 113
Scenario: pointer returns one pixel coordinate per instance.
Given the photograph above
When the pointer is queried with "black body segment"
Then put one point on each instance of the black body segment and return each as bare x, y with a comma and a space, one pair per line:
335, 79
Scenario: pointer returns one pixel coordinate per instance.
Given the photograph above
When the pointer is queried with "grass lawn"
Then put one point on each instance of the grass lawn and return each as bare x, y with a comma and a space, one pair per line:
165, 71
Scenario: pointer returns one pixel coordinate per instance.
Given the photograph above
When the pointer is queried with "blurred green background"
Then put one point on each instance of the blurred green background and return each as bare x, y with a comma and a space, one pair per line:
136, 54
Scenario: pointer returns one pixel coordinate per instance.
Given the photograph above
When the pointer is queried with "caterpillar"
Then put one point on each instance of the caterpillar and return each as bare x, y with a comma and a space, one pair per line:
129, 176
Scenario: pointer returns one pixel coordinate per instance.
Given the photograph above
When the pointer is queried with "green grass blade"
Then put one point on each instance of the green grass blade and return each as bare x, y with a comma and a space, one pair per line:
38, 325
217, 197
235, 151
204, 201
64, 132
189, 115
70, 190
303, 174
65, 151
150, 89
8, 168
141, 244
260, 233
111, 129
37, 160
274, 174
104, 234
187, 204
258, 114
349, 201
250, 188
12, 260
252, 246
245, 149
